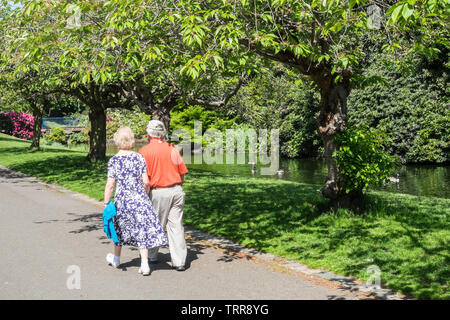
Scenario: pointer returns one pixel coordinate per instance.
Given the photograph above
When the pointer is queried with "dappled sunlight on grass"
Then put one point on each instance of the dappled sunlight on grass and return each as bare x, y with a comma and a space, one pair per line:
55, 165
406, 236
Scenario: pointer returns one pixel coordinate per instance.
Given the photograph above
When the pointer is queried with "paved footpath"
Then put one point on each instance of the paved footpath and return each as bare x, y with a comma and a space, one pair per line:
44, 231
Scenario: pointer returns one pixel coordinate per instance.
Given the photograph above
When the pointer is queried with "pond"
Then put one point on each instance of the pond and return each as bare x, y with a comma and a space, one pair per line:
422, 180
412, 179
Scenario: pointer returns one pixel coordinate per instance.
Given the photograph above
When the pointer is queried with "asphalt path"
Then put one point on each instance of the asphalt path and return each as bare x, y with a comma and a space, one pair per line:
53, 247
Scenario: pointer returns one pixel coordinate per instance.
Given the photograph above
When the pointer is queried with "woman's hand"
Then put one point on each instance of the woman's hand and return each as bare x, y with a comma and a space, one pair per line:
146, 182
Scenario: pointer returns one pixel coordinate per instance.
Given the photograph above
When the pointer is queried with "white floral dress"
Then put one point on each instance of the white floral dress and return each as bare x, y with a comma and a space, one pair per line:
136, 223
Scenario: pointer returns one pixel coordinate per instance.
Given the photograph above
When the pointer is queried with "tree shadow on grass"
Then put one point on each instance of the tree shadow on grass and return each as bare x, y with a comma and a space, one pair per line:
4, 137
269, 214
69, 170
250, 211
288, 218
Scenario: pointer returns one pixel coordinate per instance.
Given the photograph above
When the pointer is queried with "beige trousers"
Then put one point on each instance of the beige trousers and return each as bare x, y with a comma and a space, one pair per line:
168, 203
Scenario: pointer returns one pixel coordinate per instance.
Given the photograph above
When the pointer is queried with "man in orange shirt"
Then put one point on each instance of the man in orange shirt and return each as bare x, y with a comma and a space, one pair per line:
166, 170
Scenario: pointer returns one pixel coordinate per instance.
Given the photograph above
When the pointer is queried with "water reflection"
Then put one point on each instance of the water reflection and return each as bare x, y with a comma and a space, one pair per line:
413, 179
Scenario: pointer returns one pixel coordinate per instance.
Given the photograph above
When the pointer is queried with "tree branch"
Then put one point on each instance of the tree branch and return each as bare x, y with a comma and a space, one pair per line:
217, 103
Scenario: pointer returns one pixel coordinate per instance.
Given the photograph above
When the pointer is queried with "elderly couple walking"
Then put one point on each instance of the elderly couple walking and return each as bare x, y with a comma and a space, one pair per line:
149, 199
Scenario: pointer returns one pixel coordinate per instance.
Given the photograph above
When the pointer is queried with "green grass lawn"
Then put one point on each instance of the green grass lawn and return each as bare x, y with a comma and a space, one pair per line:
406, 236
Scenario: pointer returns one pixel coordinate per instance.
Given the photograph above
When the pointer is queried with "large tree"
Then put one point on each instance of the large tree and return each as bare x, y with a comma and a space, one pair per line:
36, 59
323, 39
24, 89
119, 52
151, 60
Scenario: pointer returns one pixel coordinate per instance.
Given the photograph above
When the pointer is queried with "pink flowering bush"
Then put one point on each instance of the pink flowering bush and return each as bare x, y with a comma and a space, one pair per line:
22, 122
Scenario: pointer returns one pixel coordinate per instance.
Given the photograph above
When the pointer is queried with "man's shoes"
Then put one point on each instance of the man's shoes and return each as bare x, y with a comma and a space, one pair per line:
179, 268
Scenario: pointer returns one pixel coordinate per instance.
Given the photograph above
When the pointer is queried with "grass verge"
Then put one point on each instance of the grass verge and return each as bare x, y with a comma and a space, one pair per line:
406, 236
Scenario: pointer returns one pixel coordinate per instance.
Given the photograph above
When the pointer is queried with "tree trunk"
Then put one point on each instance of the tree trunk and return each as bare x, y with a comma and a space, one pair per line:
163, 115
332, 121
37, 126
97, 134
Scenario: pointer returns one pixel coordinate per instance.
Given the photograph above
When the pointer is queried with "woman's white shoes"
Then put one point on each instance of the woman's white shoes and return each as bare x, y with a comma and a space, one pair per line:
144, 270
110, 259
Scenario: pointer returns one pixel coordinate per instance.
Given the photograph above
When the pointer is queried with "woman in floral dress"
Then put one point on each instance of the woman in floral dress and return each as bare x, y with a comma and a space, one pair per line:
136, 223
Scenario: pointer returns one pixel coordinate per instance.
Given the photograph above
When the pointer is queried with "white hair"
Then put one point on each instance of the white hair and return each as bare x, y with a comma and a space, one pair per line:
156, 129
124, 138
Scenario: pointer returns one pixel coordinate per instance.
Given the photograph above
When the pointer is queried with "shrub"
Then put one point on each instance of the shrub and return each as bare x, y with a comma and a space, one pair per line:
111, 128
134, 119
413, 109
86, 133
22, 124
362, 159
184, 118
56, 135
77, 138
6, 125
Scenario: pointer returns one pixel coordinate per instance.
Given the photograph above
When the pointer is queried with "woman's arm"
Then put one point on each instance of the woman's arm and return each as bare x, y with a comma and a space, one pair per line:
109, 188
146, 182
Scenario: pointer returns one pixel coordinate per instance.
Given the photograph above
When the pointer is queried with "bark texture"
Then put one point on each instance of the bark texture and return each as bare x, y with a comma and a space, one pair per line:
97, 135
332, 121
37, 126
163, 115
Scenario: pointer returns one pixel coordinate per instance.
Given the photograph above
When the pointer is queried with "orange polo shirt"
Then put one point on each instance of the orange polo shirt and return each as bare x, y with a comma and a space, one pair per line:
164, 163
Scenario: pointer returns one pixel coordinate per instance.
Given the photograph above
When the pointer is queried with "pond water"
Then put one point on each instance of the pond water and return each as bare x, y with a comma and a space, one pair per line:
423, 180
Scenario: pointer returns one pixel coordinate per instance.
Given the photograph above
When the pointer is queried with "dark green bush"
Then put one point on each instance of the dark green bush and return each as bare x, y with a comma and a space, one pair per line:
413, 108
6, 125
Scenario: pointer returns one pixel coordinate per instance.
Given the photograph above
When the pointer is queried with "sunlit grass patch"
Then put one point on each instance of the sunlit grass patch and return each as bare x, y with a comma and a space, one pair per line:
406, 236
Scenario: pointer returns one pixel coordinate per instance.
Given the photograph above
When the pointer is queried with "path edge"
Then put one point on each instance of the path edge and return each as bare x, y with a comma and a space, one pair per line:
351, 284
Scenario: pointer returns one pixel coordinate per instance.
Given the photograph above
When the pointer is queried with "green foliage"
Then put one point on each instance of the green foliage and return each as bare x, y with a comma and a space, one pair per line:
57, 135
83, 119
86, 133
111, 128
135, 120
362, 159
184, 118
413, 108
77, 138
279, 98
406, 236
6, 124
